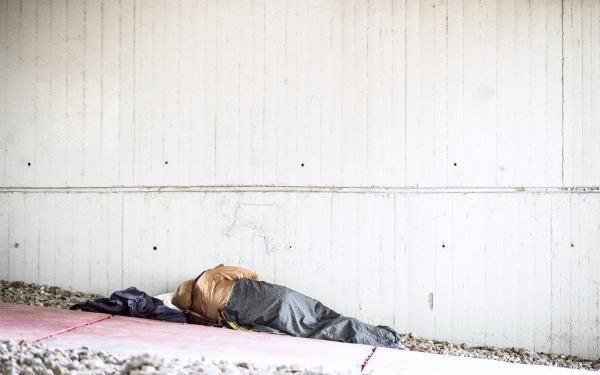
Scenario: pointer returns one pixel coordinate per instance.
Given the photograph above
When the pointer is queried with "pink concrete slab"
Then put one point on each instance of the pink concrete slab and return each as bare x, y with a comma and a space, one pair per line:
131, 336
390, 361
24, 322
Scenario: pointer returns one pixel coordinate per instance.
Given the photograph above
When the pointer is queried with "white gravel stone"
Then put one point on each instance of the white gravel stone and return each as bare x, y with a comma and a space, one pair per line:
41, 295
25, 358
513, 355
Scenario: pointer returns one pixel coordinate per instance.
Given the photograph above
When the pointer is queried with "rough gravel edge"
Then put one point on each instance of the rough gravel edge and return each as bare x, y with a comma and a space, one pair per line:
51, 296
25, 358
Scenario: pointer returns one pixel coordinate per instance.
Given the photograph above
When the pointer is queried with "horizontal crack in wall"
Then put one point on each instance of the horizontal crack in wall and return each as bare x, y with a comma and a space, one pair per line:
299, 189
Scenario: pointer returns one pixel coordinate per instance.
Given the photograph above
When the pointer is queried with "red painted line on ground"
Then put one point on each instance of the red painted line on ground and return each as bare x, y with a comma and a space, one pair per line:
362, 367
70, 328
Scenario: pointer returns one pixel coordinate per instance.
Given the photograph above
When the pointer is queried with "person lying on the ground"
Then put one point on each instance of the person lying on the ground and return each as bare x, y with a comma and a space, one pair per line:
234, 296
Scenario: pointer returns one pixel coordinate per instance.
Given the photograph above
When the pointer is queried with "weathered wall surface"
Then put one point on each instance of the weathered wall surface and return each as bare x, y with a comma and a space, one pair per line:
367, 153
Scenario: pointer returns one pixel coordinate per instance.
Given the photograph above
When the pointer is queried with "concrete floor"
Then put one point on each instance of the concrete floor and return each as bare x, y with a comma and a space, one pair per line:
131, 336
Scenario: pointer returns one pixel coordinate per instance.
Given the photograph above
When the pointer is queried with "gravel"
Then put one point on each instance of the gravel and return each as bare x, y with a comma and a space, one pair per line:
41, 295
37, 359
513, 355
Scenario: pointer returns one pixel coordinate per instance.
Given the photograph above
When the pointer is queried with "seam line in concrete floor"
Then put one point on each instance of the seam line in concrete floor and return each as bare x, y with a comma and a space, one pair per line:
362, 367
71, 328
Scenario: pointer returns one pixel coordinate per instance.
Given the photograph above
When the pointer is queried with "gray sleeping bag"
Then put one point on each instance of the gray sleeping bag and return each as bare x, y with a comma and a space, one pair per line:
265, 307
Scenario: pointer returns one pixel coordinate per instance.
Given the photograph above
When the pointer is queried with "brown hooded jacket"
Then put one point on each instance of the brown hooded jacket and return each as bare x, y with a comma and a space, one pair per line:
208, 294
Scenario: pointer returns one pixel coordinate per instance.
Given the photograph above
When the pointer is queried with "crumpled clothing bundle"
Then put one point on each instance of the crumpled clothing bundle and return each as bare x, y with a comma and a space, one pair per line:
133, 302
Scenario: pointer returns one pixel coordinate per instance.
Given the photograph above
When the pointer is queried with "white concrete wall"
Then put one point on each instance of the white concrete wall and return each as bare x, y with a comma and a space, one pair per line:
367, 153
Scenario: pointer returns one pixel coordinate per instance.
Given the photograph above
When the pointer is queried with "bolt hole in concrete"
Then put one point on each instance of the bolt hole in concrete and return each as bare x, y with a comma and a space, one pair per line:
302, 165
16, 245
455, 164
572, 245
29, 164
166, 162
154, 247
443, 245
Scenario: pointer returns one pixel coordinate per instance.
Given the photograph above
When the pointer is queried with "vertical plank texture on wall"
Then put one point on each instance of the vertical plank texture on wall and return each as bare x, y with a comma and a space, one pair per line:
27, 95
440, 97
456, 92
82, 227
542, 235
193, 43
58, 90
442, 298
348, 73
31, 238
494, 268
74, 169
92, 141
16, 233
554, 93
157, 75
592, 243
364, 93
110, 89
127, 95
46, 239
12, 66
63, 240
595, 87
412, 98
426, 94
172, 97
4, 244
3, 87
